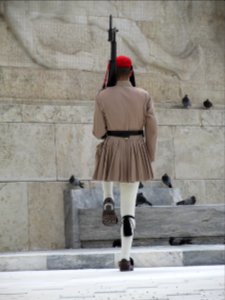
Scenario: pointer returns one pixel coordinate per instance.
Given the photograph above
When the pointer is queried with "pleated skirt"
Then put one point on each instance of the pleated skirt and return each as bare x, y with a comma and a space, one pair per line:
122, 160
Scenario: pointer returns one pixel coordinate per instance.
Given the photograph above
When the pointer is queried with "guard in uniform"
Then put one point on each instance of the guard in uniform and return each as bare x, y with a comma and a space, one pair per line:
124, 118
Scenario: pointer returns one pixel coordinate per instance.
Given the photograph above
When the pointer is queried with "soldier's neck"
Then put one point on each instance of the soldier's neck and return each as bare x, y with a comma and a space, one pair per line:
123, 78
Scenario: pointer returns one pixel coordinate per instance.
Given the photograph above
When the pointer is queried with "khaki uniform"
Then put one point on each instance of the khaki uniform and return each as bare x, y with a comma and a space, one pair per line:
121, 108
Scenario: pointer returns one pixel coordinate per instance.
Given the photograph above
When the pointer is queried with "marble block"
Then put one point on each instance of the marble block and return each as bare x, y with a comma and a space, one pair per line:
212, 117
23, 263
206, 191
14, 217
199, 152
164, 162
154, 258
46, 215
10, 113
81, 113
75, 148
144, 257
159, 222
192, 258
77, 199
74, 261
46, 84
182, 221
93, 197
178, 117
27, 152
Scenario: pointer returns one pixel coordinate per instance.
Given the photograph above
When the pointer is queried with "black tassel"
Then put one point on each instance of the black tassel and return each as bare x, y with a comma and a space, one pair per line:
127, 230
132, 78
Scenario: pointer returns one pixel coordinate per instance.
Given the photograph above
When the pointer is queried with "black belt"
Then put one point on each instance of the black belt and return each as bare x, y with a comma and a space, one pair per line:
125, 134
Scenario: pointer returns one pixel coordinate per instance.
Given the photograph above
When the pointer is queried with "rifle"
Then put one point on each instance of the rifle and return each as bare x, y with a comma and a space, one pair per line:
110, 77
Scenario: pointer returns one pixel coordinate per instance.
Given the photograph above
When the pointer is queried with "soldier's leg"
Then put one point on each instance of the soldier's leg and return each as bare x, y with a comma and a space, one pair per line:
108, 215
107, 187
128, 194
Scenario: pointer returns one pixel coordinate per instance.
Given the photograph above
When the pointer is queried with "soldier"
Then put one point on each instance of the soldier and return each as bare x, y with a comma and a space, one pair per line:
124, 118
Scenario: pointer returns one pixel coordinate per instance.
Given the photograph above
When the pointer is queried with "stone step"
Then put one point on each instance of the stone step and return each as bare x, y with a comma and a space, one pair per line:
144, 257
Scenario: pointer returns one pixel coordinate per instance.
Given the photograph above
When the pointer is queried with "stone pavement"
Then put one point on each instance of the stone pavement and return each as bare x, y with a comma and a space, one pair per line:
165, 283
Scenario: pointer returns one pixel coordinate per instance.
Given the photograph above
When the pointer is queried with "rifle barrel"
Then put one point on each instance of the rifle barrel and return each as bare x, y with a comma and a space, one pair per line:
110, 22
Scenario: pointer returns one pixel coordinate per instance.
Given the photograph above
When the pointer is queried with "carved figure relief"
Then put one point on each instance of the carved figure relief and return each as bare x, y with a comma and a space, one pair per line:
67, 34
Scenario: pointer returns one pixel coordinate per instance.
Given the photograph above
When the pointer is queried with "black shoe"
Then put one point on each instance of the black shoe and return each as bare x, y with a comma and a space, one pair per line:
109, 216
126, 265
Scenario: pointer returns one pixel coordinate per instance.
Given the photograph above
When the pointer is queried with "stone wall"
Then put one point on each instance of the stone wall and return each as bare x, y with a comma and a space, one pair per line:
49, 76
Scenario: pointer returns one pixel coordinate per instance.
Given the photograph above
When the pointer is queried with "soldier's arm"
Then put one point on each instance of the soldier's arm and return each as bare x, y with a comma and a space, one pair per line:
99, 124
151, 129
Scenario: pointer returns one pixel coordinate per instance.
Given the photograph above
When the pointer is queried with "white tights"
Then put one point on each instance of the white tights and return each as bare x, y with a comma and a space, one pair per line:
128, 194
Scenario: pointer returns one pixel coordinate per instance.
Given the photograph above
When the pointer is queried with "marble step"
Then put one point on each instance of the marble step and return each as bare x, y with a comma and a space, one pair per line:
144, 257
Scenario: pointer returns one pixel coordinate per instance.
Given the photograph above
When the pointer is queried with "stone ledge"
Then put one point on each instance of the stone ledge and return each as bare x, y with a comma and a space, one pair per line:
86, 199
81, 112
83, 226
144, 257
164, 222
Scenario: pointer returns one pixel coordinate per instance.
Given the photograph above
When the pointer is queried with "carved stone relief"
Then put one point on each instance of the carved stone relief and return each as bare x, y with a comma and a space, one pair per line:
67, 34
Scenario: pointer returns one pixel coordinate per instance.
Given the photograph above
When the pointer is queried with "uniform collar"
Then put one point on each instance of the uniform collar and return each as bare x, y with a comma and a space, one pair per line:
123, 83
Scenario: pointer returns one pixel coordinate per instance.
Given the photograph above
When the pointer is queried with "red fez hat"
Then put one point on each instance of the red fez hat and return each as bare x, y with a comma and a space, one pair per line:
123, 62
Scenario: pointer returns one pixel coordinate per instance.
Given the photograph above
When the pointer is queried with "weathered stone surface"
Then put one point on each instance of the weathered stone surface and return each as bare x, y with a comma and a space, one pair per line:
12, 54
152, 258
198, 94
157, 88
40, 83
93, 197
76, 199
193, 258
93, 229
197, 151
212, 117
46, 215
77, 113
90, 83
23, 263
178, 117
55, 53
27, 152
90, 261
164, 222
14, 217
215, 74
181, 55
28, 83
81, 112
206, 191
75, 146
10, 113
214, 191
189, 62
164, 162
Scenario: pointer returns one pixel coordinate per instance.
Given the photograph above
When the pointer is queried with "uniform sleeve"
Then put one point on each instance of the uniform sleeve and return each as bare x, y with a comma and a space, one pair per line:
151, 129
99, 124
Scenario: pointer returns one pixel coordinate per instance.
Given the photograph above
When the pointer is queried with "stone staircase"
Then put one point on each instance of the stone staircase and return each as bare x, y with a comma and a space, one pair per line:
144, 257
89, 243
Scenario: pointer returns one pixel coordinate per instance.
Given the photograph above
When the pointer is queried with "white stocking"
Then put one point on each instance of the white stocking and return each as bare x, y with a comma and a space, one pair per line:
128, 195
107, 187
